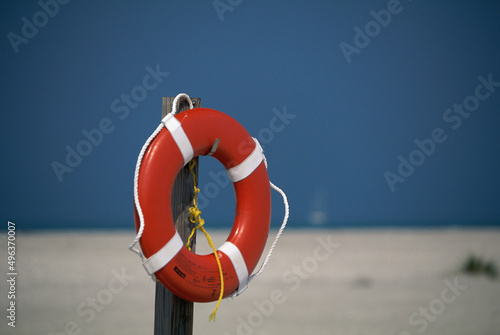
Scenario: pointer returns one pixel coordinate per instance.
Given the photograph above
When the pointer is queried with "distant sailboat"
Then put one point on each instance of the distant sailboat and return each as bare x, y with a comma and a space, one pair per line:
318, 208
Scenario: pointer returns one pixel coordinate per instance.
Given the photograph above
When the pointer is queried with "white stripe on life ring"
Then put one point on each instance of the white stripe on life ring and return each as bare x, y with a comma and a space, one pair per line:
245, 168
234, 254
174, 127
164, 255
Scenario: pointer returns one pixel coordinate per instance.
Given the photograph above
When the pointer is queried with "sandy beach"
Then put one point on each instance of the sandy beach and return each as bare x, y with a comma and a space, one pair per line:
318, 281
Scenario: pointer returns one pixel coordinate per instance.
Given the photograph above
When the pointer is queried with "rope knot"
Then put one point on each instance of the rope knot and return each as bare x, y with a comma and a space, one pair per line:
196, 190
195, 217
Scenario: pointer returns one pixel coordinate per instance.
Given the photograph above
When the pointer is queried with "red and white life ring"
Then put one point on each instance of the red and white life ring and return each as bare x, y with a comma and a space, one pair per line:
186, 135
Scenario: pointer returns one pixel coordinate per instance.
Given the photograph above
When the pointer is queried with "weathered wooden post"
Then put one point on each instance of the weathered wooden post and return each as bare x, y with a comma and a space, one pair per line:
174, 315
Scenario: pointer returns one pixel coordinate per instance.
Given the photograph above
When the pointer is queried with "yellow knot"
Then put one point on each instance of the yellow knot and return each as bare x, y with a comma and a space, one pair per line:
195, 217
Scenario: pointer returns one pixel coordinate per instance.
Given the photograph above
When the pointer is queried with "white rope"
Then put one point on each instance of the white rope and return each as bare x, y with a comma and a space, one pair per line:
136, 193
138, 167
176, 102
278, 235
280, 231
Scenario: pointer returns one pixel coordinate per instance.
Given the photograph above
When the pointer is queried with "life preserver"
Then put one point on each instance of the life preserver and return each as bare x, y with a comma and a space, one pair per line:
186, 135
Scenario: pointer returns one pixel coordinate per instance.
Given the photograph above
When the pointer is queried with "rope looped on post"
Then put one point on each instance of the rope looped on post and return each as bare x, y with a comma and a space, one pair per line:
195, 217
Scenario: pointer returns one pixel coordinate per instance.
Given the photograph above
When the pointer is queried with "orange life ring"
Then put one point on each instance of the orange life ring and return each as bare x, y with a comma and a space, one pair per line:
186, 135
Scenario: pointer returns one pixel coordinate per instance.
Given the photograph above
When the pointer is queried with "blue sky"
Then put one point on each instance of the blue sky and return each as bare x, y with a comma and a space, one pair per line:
339, 93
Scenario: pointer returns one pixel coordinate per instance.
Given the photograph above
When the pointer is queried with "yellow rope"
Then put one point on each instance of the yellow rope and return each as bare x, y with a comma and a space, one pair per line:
195, 217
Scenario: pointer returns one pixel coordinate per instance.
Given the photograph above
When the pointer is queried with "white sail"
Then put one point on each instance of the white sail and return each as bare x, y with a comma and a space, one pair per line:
318, 209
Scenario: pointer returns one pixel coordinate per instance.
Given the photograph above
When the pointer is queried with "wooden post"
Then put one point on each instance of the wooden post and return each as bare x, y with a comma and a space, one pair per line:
174, 315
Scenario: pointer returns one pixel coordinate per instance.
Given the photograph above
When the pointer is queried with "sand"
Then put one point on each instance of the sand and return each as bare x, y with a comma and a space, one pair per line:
318, 281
